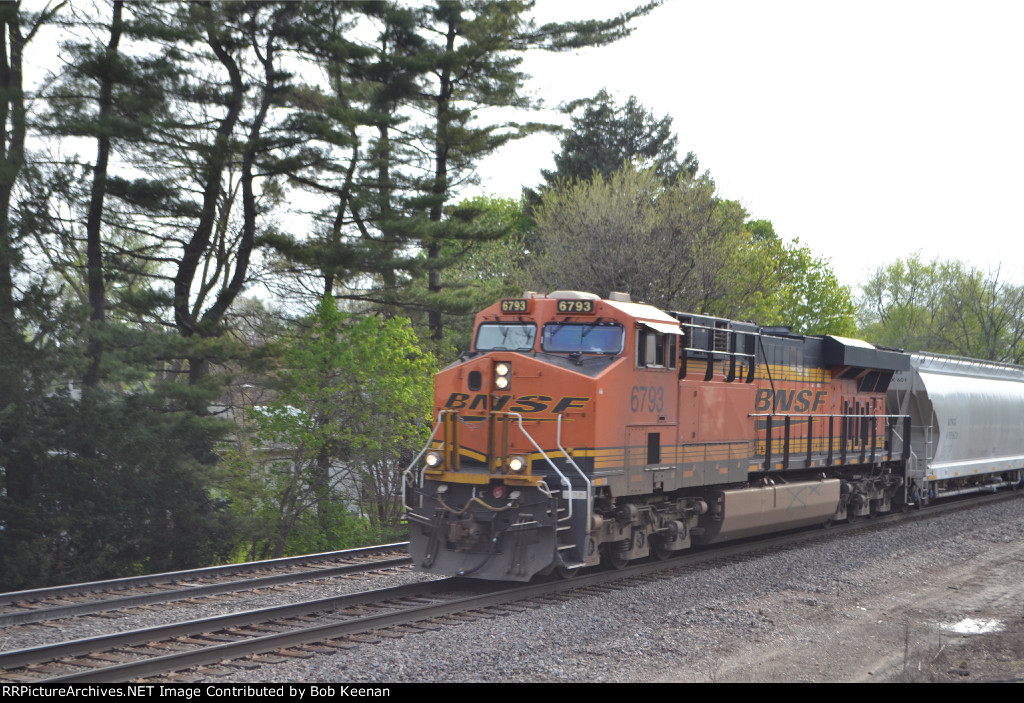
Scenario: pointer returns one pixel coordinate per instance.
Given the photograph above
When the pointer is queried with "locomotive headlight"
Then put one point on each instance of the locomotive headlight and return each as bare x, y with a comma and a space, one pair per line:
517, 464
502, 376
433, 459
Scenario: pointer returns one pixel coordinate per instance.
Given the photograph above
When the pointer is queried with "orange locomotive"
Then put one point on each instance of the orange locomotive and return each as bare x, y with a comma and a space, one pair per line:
581, 429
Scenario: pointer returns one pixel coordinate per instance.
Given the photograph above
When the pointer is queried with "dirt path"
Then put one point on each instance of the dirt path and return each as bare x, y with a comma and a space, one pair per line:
900, 628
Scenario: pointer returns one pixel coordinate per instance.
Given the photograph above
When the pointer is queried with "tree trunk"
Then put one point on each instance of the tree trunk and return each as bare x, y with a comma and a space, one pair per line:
94, 222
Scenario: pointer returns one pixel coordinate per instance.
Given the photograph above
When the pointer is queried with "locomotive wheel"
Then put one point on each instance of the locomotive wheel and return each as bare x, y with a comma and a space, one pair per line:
567, 573
617, 562
614, 560
660, 549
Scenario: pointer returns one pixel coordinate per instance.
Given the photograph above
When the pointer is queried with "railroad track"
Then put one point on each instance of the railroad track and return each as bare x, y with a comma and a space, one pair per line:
258, 637
48, 604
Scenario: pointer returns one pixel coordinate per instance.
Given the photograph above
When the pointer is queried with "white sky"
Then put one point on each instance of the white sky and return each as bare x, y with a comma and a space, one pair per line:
868, 130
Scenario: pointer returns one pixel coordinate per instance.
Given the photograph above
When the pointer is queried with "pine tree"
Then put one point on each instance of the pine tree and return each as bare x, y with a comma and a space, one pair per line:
432, 70
604, 137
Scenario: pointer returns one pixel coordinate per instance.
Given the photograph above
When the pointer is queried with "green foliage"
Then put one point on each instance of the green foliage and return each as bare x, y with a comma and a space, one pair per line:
477, 270
605, 137
120, 487
324, 466
944, 307
773, 282
664, 243
678, 246
414, 106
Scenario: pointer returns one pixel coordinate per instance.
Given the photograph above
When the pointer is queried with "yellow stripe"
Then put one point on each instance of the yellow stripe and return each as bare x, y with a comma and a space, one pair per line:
792, 373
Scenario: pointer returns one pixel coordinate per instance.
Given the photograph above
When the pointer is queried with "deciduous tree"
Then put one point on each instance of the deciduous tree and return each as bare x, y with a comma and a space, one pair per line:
353, 406
773, 282
664, 243
945, 307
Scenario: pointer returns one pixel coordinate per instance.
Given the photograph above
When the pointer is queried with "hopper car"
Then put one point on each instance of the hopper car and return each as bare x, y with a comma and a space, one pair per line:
581, 430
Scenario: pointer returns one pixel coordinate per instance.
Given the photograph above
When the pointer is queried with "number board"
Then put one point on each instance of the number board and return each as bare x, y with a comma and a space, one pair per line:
577, 307
515, 305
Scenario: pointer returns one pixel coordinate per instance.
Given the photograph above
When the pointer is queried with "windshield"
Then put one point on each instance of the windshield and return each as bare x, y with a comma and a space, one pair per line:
492, 336
603, 338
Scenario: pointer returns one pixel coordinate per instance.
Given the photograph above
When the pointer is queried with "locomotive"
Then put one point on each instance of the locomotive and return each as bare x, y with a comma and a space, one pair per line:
580, 430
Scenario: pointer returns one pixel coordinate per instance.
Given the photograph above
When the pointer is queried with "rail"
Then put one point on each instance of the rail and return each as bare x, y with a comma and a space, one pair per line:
850, 442
722, 342
565, 481
590, 490
451, 449
409, 471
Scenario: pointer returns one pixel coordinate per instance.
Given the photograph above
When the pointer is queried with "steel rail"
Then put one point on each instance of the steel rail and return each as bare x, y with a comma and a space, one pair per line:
496, 594
204, 572
73, 648
361, 624
45, 614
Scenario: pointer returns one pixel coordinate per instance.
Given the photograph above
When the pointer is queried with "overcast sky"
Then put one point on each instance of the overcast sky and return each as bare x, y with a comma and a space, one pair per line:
869, 130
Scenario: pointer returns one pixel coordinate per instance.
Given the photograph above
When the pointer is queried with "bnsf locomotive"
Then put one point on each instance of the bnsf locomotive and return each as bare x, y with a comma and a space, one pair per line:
580, 430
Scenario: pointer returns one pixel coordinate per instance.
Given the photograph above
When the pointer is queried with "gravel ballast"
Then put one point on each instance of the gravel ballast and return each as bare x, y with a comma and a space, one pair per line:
858, 608
879, 605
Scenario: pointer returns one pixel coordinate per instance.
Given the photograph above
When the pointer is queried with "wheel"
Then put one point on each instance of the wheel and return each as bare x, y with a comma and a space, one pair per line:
568, 573
660, 549
611, 551
616, 562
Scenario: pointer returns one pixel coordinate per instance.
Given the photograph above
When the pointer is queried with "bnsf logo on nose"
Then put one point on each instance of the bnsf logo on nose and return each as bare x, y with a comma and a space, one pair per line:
522, 404
796, 401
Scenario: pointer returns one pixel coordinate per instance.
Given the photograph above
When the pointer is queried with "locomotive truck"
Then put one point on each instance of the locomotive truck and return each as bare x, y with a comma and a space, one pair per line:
580, 430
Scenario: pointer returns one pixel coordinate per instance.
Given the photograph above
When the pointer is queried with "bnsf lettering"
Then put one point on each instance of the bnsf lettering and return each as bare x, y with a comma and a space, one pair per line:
457, 400
499, 403
530, 404
523, 404
789, 401
569, 403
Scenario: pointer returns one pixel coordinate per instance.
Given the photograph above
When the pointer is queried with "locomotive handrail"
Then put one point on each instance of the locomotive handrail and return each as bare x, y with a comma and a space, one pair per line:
423, 451
565, 481
590, 490
719, 352
844, 439
821, 415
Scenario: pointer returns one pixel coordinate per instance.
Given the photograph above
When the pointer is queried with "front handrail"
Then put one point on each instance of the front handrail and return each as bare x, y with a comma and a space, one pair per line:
411, 477
409, 471
565, 481
590, 491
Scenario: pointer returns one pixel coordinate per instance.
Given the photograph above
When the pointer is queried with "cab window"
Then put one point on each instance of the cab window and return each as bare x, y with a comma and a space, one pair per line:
656, 350
574, 338
499, 336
